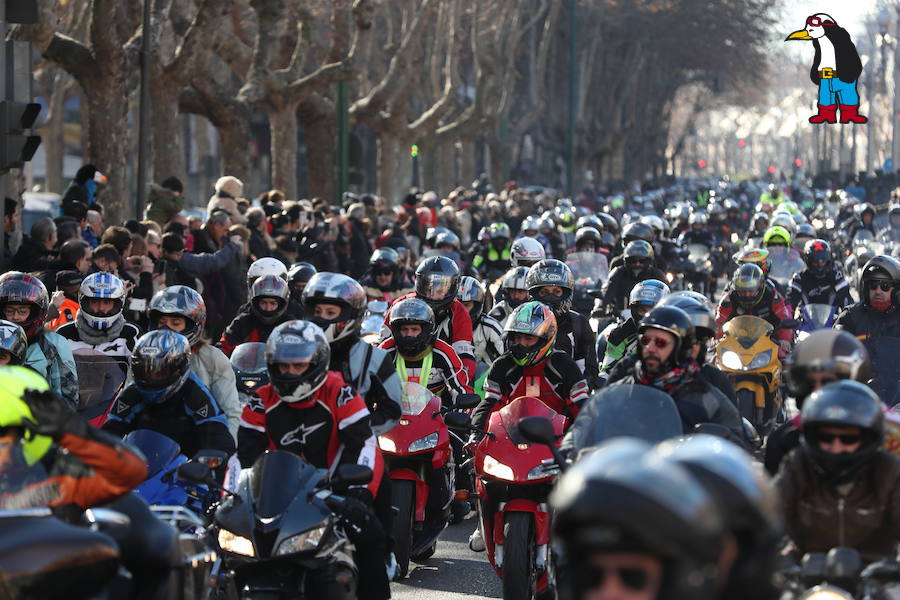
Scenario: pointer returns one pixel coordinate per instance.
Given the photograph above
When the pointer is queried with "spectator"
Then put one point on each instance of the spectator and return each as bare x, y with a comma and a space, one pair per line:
360, 248
64, 304
36, 252
261, 244
165, 200
94, 229
119, 237
67, 228
106, 258
211, 236
74, 255
11, 218
153, 241
229, 191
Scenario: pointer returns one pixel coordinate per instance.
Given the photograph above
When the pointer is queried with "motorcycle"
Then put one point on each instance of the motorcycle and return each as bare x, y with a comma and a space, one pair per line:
248, 361
99, 380
699, 269
516, 476
278, 534
419, 460
814, 317
590, 271
749, 356
784, 264
370, 330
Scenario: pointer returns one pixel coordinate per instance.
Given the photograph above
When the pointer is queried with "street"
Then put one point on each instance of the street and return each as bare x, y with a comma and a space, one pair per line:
453, 572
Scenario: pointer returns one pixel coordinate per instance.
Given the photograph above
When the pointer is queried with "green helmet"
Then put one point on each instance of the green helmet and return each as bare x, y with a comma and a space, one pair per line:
13, 409
773, 234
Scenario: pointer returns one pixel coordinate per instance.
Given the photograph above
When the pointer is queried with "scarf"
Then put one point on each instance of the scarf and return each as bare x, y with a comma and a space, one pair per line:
95, 337
670, 380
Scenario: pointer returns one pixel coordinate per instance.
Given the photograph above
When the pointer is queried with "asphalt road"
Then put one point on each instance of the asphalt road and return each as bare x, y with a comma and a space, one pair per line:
453, 572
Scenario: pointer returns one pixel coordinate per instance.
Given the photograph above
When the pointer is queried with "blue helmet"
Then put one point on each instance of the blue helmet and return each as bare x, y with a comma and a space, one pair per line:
160, 364
647, 293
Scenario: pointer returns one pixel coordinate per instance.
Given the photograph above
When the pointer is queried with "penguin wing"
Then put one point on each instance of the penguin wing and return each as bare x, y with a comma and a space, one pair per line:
848, 64
814, 69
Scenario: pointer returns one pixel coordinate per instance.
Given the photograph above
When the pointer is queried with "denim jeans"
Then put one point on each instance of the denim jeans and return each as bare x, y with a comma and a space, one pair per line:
831, 88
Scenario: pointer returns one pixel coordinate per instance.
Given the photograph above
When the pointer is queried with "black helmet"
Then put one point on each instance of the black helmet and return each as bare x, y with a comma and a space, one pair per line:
749, 285
298, 276
637, 231
472, 290
638, 257
551, 272
826, 351
297, 342
160, 364
437, 281
805, 230
447, 238
620, 499
384, 259
699, 313
817, 256
842, 404
879, 268
609, 223
342, 291
248, 361
431, 234
272, 287
13, 341
588, 235
678, 323
412, 311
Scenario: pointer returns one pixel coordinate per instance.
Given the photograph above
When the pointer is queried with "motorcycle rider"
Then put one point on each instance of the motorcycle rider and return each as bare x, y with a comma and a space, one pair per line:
821, 282
698, 233
265, 266
266, 309
552, 283
760, 224
167, 397
488, 333
621, 342
876, 312
100, 323
385, 280
181, 309
891, 233
750, 294
337, 304
515, 292
526, 251
633, 232
494, 260
637, 266
825, 356
24, 301
311, 411
13, 343
531, 228
841, 475
297, 277
587, 239
865, 220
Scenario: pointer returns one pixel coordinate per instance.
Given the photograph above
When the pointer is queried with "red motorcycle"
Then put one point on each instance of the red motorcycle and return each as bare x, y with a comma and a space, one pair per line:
517, 476
419, 460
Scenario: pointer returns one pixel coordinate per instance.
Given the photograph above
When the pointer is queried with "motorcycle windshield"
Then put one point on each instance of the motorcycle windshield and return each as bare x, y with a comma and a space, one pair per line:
698, 253
523, 407
747, 327
99, 379
159, 450
818, 316
414, 399
589, 269
629, 411
276, 479
249, 357
784, 262
883, 352
377, 306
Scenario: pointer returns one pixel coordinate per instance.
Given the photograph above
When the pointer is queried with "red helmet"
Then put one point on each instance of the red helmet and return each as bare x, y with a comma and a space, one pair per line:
20, 288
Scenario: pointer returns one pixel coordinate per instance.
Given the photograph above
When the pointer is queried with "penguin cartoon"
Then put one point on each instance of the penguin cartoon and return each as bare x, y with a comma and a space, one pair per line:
835, 69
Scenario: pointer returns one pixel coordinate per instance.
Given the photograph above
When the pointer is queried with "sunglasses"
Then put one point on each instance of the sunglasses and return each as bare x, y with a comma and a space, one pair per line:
381, 273
634, 578
816, 22
658, 342
884, 286
846, 438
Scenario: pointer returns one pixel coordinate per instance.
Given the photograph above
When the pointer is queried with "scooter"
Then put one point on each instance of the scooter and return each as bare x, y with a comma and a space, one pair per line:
516, 476
419, 460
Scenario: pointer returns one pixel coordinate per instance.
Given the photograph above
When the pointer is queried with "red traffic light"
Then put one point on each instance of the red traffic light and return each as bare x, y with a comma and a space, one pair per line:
701, 163
798, 162
742, 143
772, 169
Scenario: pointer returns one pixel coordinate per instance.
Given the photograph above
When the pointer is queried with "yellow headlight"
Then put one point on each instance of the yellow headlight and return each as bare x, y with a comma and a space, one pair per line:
235, 543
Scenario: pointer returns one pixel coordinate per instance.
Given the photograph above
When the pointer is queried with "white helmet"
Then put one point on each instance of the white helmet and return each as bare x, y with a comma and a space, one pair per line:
265, 266
101, 286
526, 251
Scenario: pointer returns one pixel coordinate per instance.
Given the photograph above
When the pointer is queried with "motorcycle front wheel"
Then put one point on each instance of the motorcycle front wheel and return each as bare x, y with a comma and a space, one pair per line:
518, 557
403, 498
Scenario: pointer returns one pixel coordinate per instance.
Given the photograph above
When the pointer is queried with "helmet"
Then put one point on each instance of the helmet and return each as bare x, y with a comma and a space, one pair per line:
647, 293
609, 223
340, 290
703, 300
678, 323
248, 361
515, 279
760, 216
894, 215
530, 223
804, 230
14, 380
756, 256
777, 235
826, 351
437, 281
471, 290
526, 251
269, 286
545, 223
879, 268
160, 364
698, 218
842, 404
20, 288
655, 222
180, 301
384, 259
817, 256
103, 286
749, 285
699, 313
298, 276
532, 318
297, 342
431, 234
447, 238
412, 311
638, 256
499, 231
564, 217
551, 272
14, 341
637, 231
589, 221
864, 208
265, 266
587, 235
620, 499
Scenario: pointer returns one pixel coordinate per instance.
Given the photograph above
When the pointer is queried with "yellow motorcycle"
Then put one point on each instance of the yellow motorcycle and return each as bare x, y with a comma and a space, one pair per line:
749, 356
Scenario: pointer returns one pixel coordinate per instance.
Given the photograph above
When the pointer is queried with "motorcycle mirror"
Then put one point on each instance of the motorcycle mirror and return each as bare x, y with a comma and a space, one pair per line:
457, 420
352, 475
211, 458
194, 472
538, 430
468, 400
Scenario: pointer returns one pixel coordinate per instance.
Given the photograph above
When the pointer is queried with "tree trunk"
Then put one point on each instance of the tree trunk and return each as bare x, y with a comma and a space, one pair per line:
500, 153
233, 137
54, 140
107, 140
394, 167
467, 169
319, 127
283, 129
168, 138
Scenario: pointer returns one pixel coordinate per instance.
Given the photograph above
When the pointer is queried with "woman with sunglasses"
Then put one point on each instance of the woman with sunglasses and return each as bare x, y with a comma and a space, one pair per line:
840, 487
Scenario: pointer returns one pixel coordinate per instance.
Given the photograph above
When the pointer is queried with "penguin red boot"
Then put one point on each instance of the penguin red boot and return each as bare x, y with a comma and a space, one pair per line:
827, 114
849, 114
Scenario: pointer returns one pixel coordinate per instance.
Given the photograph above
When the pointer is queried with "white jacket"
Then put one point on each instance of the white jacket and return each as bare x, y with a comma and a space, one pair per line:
214, 369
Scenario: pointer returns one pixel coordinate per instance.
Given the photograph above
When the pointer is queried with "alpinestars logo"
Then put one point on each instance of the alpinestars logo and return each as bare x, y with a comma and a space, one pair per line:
298, 436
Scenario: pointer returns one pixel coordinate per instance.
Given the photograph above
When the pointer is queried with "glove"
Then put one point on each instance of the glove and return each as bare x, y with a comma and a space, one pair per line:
51, 416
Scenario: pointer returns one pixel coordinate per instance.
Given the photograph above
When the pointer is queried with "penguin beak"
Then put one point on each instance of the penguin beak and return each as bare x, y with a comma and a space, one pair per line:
801, 34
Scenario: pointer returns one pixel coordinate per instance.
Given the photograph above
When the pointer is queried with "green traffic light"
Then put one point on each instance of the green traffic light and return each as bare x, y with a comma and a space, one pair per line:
414, 151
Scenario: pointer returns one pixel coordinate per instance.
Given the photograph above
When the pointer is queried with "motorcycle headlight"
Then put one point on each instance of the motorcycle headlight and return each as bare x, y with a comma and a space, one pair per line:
371, 338
387, 444
541, 471
670, 277
302, 542
732, 360
424, 443
495, 468
235, 544
760, 360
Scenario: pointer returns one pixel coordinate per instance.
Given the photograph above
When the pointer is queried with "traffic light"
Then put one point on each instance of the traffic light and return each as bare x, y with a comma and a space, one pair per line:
742, 143
414, 150
772, 169
798, 162
16, 148
701, 163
